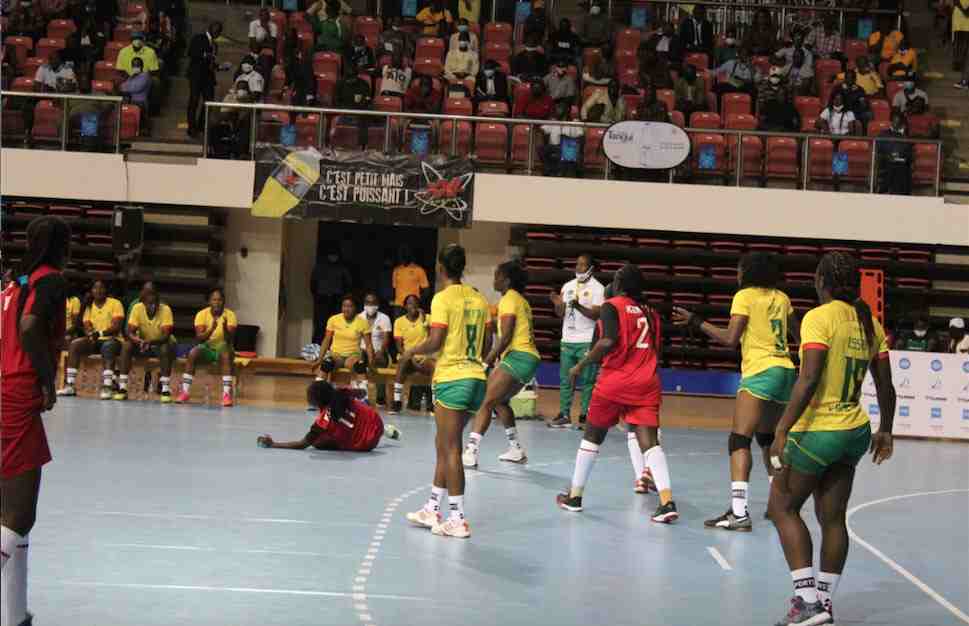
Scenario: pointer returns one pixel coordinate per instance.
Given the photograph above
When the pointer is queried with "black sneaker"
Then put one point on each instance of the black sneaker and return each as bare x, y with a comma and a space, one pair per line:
562, 421
666, 513
729, 521
581, 424
569, 503
396, 407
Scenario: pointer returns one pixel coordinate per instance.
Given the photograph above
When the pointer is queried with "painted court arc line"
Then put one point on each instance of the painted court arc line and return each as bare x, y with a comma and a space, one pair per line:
719, 558
254, 590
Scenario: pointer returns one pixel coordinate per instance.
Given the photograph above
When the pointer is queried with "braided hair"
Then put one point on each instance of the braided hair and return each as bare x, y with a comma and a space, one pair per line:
322, 394
454, 259
840, 274
516, 274
48, 239
760, 269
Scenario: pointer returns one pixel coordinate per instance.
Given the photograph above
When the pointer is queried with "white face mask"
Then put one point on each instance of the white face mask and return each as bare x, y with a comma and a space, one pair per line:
246, 68
137, 44
731, 41
241, 93
594, 10
920, 333
584, 276
489, 73
370, 310
135, 71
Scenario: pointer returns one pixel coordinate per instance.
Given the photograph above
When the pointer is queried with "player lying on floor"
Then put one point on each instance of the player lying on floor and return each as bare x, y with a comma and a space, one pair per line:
344, 423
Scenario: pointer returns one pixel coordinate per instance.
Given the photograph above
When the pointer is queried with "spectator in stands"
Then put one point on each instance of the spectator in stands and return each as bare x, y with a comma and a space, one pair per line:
230, 129
836, 119
26, 20
904, 63
761, 38
562, 149
254, 81
596, 30
395, 40
652, 109
604, 106
137, 88
564, 45
775, 109
395, 78
55, 75
263, 32
102, 319
667, 45
737, 75
85, 46
150, 324
560, 85
329, 280
423, 96
464, 27
799, 66
958, 339
537, 105
435, 19
696, 32
215, 330
530, 63
895, 159
461, 63
729, 50
883, 42
690, 92
536, 24
409, 279
329, 32
491, 84
202, 54
161, 37
868, 78
920, 339
656, 66
855, 98
470, 10
352, 92
911, 99
8, 67
360, 57
825, 39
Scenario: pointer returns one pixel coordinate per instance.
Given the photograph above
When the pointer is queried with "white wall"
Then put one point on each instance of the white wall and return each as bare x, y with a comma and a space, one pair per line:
299, 253
486, 245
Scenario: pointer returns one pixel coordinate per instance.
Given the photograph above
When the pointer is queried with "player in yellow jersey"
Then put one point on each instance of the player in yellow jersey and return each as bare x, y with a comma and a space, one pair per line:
341, 345
824, 433
519, 360
150, 326
215, 332
461, 331
410, 329
101, 321
761, 318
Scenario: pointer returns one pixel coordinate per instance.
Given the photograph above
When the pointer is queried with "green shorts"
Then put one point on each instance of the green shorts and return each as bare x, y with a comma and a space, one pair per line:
521, 366
210, 354
812, 452
465, 394
773, 384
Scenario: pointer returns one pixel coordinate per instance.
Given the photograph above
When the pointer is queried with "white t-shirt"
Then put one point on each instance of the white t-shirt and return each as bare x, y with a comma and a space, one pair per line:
380, 329
576, 327
395, 80
47, 76
254, 80
258, 32
839, 123
556, 132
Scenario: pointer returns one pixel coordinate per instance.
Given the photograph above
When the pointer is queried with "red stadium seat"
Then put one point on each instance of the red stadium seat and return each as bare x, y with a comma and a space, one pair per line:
277, 79
808, 124
736, 103
519, 91
854, 48
781, 158
428, 67
462, 135
881, 110
22, 46
591, 56
270, 123
102, 87
808, 106
626, 60
130, 121
627, 39
491, 143
103, 70
23, 83
892, 87
458, 106
824, 92
633, 102
369, 27
327, 62
135, 9
388, 103
31, 65
822, 154
911, 255
47, 118
592, 155
676, 118
500, 52
498, 32
46, 46
702, 119
859, 159
111, 50
925, 165
876, 128
762, 64
60, 29
825, 70
519, 144
667, 97
699, 60
924, 126
326, 88
703, 142
345, 137
753, 157
493, 109
307, 130
430, 47
122, 33
296, 20
305, 41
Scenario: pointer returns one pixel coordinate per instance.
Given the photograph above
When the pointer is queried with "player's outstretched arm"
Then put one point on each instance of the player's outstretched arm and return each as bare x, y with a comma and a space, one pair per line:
265, 441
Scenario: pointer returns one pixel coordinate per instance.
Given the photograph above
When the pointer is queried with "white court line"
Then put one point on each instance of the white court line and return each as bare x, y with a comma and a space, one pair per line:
722, 562
155, 546
177, 516
285, 592
895, 566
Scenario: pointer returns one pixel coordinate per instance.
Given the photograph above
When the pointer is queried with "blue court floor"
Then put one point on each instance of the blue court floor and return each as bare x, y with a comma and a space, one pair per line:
167, 516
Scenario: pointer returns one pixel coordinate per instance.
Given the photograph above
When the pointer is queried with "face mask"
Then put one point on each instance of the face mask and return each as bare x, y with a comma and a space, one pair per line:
584, 276
731, 41
333, 258
395, 28
370, 309
489, 73
594, 10
241, 93
909, 86
137, 44
462, 28
135, 71
246, 68
838, 108
920, 333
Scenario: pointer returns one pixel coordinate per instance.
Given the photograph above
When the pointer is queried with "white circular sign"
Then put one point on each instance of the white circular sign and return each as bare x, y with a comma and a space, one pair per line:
646, 145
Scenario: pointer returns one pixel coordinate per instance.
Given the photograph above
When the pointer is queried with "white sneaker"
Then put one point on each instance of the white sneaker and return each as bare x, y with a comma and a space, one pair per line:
470, 457
424, 518
514, 454
457, 528
106, 393
67, 391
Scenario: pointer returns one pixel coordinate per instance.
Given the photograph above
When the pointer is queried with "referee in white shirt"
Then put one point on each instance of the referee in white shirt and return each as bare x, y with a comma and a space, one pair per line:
578, 305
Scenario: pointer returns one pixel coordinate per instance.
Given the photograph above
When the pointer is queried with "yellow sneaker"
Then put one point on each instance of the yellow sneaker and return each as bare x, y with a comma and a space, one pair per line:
166, 398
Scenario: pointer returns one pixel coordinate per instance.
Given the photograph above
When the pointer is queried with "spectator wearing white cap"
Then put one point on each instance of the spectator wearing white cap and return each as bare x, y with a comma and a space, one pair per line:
958, 339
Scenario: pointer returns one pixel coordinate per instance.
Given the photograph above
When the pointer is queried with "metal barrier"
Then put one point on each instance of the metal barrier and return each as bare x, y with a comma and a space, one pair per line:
738, 173
67, 98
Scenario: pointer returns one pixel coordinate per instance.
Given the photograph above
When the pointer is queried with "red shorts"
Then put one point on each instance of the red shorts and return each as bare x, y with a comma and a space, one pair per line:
604, 413
23, 441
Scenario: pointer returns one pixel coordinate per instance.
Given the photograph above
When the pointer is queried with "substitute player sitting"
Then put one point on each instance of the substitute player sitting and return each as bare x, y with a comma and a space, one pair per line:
102, 320
344, 423
215, 330
149, 335
345, 333
410, 329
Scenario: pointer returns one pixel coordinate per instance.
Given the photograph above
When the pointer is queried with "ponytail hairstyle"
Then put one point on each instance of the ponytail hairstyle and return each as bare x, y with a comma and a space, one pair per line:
48, 239
629, 281
516, 274
453, 259
841, 276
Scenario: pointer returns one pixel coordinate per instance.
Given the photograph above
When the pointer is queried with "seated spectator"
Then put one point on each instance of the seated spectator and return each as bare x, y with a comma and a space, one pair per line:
696, 32
904, 63
395, 40
491, 84
536, 24
657, 67
761, 38
596, 29
395, 78
55, 76
27, 20
560, 85
464, 27
598, 73
423, 96
919, 339
604, 106
137, 89
329, 30
537, 105
319, 8
530, 63
836, 119
564, 45
728, 51
352, 92
958, 339
435, 19
230, 129
825, 40
653, 109
775, 108
360, 57
895, 160
690, 92
150, 324
102, 319
215, 329
736, 75
161, 38
855, 98
667, 45
799, 66
263, 32
562, 150
462, 62
868, 77
410, 329
254, 81
909, 98
85, 46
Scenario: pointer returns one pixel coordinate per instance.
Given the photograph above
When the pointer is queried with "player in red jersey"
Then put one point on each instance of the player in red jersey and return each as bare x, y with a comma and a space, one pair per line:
32, 326
628, 388
344, 423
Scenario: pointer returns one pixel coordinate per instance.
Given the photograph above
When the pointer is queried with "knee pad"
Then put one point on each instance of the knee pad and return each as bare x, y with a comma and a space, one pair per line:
360, 367
738, 442
328, 365
764, 440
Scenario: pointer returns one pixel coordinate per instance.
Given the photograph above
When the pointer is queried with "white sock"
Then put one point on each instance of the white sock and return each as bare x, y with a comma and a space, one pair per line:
635, 455
770, 479
187, 383
512, 434
655, 460
804, 584
474, 440
123, 382
107, 378
71, 376
166, 383
13, 580
433, 504
827, 586
398, 392
457, 507
227, 385
738, 498
585, 458
320, 379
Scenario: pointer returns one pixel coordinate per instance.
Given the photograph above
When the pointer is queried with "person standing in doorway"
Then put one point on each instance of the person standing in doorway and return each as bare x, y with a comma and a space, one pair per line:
409, 279
578, 306
202, 53
328, 282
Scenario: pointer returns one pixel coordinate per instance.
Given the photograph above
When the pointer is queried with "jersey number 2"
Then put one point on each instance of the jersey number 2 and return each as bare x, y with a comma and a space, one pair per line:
643, 324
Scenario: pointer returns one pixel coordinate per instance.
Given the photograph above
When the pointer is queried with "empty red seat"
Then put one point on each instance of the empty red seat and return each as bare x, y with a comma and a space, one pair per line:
705, 145
496, 51
825, 70
105, 70
626, 60
432, 47
498, 32
458, 106
519, 144
111, 50
781, 161
881, 110
295, 20
22, 47
47, 118
460, 134
627, 39
676, 118
667, 97
23, 83
854, 48
60, 29
388, 103
753, 154
908, 255
926, 163
327, 62
493, 109
491, 143
122, 32
925, 125
633, 102
427, 66
822, 154
102, 87
808, 124
876, 128
46, 46
305, 41
859, 159
808, 106
892, 88
591, 56
592, 154
369, 27
699, 60
520, 91
326, 88
736, 103
130, 121
31, 65
307, 130
702, 119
